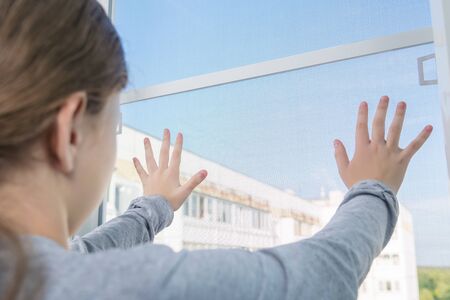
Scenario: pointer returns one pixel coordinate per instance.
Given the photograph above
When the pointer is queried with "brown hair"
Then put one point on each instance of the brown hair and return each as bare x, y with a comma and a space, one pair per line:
48, 50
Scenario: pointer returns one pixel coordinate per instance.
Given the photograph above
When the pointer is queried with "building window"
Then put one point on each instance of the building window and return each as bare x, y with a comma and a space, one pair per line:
395, 259
201, 207
186, 206
226, 213
219, 206
191, 206
238, 216
194, 204
388, 286
386, 258
210, 209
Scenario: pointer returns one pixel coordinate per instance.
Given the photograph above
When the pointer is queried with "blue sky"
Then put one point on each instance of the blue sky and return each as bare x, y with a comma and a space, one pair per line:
279, 129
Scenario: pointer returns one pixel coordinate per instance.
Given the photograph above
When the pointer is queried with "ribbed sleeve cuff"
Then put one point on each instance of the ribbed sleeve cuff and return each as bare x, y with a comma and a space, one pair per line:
384, 193
158, 210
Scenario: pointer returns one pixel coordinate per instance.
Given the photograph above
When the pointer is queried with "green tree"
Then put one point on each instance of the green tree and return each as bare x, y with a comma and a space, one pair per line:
426, 294
434, 283
442, 291
426, 281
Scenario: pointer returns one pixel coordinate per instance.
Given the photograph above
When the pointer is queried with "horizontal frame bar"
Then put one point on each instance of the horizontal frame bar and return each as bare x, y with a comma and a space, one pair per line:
285, 64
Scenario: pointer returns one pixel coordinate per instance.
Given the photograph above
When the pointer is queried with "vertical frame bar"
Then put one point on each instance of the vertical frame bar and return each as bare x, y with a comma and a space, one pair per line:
101, 212
440, 14
97, 217
105, 4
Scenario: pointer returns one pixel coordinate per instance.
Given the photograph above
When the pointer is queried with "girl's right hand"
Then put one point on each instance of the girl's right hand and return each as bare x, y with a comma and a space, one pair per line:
164, 178
376, 157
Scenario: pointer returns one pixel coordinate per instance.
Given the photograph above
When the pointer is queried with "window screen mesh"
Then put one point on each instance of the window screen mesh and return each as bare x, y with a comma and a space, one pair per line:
267, 142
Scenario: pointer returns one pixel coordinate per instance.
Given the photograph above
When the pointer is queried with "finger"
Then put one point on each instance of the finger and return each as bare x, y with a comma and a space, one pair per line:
187, 188
417, 143
175, 160
378, 126
140, 170
395, 130
164, 154
149, 158
362, 131
341, 156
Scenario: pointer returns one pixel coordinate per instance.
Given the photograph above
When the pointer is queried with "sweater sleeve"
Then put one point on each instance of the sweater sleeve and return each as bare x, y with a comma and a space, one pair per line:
144, 218
329, 265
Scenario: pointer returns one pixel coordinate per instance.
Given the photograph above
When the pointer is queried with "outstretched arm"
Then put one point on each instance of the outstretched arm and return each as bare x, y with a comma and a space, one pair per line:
330, 265
146, 215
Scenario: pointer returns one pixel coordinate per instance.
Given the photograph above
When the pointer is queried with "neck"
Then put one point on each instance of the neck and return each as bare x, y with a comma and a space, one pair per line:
35, 208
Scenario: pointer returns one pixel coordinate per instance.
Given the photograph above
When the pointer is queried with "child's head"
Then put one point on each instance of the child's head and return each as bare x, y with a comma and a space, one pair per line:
62, 66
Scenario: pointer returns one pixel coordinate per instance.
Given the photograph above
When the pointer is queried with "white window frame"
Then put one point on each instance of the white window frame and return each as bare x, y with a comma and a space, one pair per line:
108, 6
440, 15
98, 216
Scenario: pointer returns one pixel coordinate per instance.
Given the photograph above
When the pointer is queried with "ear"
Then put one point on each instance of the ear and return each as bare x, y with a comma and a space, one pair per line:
66, 135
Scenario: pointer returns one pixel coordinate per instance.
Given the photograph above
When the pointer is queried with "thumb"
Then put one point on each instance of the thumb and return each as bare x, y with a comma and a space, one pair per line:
187, 188
341, 156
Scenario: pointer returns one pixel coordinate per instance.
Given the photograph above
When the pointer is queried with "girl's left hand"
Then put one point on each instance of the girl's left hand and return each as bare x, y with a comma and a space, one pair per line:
164, 179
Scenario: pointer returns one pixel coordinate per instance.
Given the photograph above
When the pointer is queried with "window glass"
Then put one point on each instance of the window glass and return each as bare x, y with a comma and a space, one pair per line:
169, 40
267, 144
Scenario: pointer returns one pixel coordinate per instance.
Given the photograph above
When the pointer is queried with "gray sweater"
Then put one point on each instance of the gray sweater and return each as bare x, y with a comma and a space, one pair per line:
118, 260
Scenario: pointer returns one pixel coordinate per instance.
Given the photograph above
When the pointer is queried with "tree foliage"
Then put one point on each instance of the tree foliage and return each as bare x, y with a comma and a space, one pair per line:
434, 283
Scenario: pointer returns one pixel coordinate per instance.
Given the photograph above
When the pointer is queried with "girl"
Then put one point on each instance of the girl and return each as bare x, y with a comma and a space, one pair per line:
62, 67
